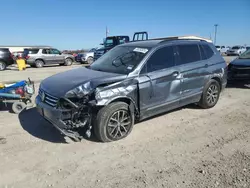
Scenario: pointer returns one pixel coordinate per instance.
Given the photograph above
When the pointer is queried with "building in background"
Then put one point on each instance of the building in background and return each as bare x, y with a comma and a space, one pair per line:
20, 48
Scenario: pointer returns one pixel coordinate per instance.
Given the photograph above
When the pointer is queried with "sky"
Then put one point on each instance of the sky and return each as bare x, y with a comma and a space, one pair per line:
81, 24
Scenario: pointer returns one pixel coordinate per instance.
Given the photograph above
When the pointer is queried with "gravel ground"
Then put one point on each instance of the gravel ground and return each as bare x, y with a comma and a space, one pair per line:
188, 147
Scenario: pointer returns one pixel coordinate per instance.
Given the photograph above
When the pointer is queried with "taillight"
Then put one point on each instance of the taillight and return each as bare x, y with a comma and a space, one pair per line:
27, 57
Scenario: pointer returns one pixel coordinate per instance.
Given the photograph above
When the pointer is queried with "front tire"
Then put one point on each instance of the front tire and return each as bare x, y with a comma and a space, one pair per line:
2, 66
113, 122
210, 94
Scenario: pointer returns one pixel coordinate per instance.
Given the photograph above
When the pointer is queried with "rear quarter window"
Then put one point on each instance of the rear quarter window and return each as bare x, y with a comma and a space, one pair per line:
208, 51
188, 53
31, 51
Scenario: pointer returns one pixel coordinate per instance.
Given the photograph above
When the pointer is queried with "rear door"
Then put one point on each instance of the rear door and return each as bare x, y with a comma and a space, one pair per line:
191, 67
159, 83
47, 56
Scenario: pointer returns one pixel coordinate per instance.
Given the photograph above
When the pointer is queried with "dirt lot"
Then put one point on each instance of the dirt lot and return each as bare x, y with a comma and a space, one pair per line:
188, 147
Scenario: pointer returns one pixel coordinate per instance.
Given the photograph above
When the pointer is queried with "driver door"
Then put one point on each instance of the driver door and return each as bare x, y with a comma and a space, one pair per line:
159, 83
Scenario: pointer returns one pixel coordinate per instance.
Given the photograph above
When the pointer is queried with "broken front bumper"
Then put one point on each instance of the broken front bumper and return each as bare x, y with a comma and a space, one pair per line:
58, 118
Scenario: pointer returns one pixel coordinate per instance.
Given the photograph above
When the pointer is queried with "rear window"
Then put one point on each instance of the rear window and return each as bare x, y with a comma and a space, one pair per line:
4, 50
30, 51
188, 53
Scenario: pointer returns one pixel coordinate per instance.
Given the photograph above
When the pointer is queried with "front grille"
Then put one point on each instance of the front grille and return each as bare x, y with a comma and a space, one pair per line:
47, 98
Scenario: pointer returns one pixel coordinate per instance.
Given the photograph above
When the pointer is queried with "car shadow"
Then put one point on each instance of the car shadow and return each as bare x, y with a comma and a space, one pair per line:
37, 126
6, 107
239, 84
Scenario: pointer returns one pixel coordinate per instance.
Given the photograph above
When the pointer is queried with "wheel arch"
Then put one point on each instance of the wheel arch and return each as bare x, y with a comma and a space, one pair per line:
125, 99
218, 79
41, 59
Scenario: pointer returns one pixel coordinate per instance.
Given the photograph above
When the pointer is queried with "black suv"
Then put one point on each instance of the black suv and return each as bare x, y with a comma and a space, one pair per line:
132, 82
5, 58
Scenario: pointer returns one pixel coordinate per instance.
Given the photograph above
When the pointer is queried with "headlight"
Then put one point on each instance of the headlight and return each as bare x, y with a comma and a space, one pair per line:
79, 91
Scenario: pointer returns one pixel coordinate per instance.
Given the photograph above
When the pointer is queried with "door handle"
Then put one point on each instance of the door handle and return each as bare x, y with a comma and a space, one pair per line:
175, 74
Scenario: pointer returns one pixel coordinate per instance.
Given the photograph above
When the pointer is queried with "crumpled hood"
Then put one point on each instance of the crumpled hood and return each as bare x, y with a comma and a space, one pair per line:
243, 62
58, 85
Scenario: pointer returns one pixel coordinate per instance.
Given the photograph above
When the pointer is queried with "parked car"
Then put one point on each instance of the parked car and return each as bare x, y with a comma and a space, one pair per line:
239, 69
236, 50
131, 82
38, 57
86, 56
17, 55
248, 48
222, 49
5, 58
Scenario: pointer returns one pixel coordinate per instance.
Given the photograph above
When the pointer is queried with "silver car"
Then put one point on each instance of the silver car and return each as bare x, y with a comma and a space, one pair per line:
236, 50
38, 57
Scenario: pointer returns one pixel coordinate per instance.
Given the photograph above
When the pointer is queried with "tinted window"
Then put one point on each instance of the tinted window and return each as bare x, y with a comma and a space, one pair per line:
188, 53
208, 51
4, 50
161, 59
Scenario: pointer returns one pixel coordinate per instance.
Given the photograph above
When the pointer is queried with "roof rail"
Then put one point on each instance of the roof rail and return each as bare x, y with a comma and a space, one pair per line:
183, 38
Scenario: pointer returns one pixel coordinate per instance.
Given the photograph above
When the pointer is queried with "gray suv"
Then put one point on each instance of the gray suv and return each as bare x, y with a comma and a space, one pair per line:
38, 57
131, 82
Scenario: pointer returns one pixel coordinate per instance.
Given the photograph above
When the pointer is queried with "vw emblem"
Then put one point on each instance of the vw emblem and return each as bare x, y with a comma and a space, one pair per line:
43, 96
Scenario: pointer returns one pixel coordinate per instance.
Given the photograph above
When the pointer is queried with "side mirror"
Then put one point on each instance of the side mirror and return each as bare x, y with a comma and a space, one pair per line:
101, 44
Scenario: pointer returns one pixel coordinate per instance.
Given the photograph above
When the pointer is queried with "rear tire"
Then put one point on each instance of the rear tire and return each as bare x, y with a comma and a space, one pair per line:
68, 62
113, 122
2, 66
18, 107
39, 63
211, 94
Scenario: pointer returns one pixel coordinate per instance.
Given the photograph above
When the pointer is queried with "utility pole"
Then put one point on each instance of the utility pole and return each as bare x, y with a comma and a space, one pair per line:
107, 31
215, 33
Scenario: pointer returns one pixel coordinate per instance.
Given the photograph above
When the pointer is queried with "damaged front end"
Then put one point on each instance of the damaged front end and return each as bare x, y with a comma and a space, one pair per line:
80, 105
68, 113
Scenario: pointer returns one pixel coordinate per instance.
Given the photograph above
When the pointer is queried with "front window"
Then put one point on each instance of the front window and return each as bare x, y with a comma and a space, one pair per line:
55, 51
236, 48
245, 55
120, 60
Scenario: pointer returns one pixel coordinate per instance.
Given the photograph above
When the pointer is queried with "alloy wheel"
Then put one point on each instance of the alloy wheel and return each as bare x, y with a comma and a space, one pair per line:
212, 94
119, 124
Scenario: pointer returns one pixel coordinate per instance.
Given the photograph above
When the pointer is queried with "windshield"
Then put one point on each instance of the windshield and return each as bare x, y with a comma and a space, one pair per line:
109, 42
245, 55
235, 47
217, 46
120, 60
